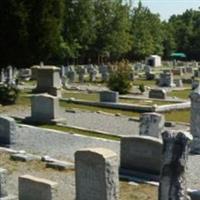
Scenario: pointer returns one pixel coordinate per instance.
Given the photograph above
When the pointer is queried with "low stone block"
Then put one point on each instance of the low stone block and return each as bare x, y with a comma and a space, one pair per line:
109, 96
32, 188
60, 165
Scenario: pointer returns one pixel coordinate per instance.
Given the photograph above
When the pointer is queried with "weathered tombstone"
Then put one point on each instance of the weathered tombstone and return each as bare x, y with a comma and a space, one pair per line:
109, 96
157, 94
141, 153
44, 108
178, 82
96, 174
166, 80
195, 120
32, 188
151, 124
174, 160
3, 186
3, 182
7, 130
48, 80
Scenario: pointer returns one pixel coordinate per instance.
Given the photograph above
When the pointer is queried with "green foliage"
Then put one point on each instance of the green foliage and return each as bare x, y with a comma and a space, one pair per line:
8, 94
141, 88
147, 33
119, 78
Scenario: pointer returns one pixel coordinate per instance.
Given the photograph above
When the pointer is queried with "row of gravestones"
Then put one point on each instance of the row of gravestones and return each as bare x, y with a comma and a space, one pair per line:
97, 177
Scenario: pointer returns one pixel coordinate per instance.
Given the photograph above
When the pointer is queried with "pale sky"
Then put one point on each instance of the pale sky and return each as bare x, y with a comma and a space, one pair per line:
166, 8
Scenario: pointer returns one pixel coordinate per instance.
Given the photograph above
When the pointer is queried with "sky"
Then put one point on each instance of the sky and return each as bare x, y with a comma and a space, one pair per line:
166, 8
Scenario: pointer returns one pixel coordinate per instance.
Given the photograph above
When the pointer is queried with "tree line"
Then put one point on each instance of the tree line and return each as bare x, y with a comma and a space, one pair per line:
91, 31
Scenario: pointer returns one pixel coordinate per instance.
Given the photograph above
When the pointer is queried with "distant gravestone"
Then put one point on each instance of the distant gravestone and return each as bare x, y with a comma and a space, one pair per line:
157, 94
44, 108
151, 124
109, 96
96, 174
141, 153
166, 80
7, 130
174, 164
32, 188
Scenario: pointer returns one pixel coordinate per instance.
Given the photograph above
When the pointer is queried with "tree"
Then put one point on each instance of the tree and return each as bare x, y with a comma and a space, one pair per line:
45, 28
119, 78
14, 34
147, 33
112, 29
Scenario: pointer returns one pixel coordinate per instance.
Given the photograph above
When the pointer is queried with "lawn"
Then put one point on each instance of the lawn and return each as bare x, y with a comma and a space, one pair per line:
183, 94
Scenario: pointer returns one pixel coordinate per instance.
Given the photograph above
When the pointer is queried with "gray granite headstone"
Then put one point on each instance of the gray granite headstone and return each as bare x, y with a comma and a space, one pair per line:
96, 174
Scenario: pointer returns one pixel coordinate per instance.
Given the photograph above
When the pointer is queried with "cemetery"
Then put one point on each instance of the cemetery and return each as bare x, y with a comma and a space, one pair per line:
53, 144
99, 100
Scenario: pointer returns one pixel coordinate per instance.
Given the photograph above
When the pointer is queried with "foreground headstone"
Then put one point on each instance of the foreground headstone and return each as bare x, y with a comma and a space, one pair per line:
109, 96
141, 153
32, 188
7, 130
195, 120
3, 186
48, 80
96, 174
44, 108
3, 182
173, 171
152, 124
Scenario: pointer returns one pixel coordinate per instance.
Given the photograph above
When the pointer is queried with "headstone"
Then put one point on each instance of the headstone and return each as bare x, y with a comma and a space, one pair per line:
195, 120
157, 94
44, 108
96, 174
7, 130
3, 186
2, 76
3, 183
151, 124
48, 80
141, 153
109, 96
173, 171
178, 82
166, 80
32, 188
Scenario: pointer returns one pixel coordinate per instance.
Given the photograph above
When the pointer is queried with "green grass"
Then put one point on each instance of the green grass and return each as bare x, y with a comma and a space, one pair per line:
144, 82
82, 96
178, 116
183, 94
81, 132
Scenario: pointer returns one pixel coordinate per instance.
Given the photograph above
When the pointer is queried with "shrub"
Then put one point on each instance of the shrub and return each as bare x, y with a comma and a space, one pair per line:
8, 94
119, 79
141, 88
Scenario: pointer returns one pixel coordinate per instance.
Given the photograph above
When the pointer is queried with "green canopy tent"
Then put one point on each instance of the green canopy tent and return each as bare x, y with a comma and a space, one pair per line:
178, 55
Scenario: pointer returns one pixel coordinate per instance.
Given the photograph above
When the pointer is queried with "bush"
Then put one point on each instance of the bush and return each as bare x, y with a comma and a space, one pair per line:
8, 94
119, 78
141, 88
